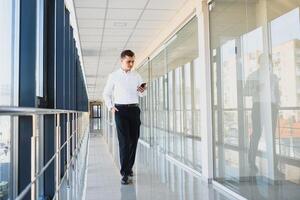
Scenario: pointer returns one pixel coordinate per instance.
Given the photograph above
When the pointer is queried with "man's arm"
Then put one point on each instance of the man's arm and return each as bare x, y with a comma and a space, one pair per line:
141, 91
108, 91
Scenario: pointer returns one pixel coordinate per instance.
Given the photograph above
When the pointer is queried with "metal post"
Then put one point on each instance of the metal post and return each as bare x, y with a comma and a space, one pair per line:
34, 151
77, 130
57, 157
76, 148
73, 153
73, 131
68, 155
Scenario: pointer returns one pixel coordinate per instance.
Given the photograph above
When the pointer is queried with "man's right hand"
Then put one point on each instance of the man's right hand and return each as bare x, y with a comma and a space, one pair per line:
113, 110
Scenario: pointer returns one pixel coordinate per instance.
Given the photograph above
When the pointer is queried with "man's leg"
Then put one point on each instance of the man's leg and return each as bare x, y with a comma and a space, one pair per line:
278, 174
135, 124
255, 136
122, 125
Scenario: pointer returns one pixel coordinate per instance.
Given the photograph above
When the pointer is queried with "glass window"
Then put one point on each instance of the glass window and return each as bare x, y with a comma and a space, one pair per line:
158, 65
7, 76
183, 47
171, 97
144, 104
6, 49
196, 96
254, 54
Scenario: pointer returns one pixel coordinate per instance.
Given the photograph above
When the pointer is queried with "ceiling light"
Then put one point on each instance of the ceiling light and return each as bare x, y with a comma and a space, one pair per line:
120, 24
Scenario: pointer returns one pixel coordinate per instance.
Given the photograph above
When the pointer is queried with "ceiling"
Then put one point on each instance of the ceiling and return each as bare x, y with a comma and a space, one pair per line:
106, 27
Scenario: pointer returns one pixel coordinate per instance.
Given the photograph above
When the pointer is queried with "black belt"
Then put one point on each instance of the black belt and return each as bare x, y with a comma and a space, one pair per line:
127, 105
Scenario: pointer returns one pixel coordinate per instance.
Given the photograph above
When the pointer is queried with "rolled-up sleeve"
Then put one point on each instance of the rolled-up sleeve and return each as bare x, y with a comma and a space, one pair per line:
108, 91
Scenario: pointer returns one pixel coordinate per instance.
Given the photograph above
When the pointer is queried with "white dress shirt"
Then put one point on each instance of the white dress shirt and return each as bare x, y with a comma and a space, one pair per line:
257, 88
123, 87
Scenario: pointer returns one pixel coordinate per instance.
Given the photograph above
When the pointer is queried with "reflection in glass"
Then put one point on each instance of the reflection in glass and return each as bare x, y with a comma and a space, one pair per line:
5, 153
6, 93
254, 54
172, 114
6, 57
255, 88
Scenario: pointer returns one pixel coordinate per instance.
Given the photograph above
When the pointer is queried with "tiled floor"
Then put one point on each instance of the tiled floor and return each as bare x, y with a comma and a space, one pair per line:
103, 179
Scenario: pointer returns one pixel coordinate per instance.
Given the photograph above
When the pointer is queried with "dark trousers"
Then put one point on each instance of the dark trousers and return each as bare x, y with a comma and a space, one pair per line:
128, 128
257, 127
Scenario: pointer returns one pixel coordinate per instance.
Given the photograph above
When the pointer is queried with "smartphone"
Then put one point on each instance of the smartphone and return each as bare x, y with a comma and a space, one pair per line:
143, 85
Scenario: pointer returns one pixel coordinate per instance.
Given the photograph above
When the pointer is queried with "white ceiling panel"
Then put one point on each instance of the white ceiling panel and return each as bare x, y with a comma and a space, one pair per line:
108, 64
120, 24
140, 4
91, 70
90, 3
114, 49
91, 64
90, 38
135, 49
140, 39
90, 52
90, 23
118, 32
112, 38
108, 61
138, 44
145, 32
90, 31
89, 45
108, 55
91, 79
113, 44
151, 24
164, 15
90, 13
105, 70
90, 58
91, 88
125, 14
165, 4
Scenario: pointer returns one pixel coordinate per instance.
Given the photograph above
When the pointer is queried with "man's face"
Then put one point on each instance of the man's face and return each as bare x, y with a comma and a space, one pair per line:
127, 63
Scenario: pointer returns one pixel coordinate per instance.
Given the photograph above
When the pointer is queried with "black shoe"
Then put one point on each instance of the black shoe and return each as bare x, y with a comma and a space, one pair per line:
125, 180
131, 173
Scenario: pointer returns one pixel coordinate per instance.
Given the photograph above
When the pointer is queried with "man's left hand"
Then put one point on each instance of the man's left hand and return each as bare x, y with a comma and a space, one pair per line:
141, 89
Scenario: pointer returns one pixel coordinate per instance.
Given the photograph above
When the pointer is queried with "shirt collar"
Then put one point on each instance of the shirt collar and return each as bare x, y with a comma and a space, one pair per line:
123, 71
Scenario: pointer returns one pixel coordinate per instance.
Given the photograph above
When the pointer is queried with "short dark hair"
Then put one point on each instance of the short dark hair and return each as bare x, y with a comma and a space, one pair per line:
128, 53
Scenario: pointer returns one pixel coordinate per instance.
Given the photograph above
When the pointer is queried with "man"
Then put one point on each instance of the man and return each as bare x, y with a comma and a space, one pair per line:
257, 88
125, 86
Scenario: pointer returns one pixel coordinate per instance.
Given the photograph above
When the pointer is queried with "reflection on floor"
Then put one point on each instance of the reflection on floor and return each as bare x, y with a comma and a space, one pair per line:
155, 178
95, 125
259, 189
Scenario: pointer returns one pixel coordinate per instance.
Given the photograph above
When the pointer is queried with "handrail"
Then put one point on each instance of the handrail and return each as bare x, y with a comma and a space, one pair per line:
28, 187
14, 110
72, 131
280, 108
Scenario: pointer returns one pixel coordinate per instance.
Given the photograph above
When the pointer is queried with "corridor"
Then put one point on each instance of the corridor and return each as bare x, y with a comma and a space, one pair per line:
149, 182
209, 89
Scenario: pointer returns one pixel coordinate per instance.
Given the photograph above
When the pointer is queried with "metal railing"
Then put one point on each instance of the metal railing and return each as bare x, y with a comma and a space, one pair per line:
73, 141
